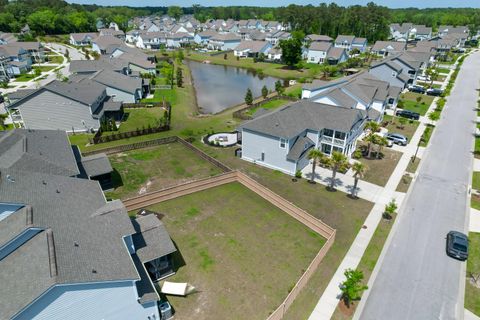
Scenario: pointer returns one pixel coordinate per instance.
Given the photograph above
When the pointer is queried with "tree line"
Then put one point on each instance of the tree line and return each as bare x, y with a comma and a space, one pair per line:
370, 21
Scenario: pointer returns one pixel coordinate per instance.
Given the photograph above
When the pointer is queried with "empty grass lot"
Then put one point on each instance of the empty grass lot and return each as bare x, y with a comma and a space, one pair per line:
368, 262
472, 293
409, 101
241, 253
273, 104
334, 208
394, 126
155, 168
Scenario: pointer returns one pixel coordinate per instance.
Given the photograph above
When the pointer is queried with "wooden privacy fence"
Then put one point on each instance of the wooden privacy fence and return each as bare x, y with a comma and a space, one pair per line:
295, 212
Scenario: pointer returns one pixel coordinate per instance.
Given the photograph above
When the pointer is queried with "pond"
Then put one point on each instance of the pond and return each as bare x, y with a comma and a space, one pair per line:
220, 87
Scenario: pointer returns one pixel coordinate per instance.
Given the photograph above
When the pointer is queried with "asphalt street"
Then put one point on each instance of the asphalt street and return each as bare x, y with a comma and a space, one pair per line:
416, 279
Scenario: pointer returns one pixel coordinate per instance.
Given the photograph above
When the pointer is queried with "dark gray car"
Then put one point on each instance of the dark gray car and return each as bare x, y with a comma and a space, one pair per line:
457, 245
397, 138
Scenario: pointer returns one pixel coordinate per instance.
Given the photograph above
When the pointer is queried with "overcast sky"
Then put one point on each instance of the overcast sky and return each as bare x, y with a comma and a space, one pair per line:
274, 3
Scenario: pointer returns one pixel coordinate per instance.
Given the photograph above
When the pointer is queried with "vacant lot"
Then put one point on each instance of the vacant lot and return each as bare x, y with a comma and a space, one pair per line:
472, 293
149, 169
242, 253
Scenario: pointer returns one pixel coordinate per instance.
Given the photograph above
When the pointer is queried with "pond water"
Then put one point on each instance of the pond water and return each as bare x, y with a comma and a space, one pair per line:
220, 87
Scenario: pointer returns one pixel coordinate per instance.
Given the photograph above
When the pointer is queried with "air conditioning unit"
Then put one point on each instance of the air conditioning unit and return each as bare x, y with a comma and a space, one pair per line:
166, 312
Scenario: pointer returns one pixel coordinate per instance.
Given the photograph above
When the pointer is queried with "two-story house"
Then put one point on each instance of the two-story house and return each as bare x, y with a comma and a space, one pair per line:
400, 32
385, 48
400, 70
82, 39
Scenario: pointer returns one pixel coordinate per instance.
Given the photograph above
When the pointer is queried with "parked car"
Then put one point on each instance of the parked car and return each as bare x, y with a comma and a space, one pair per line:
457, 245
434, 92
416, 88
408, 114
397, 138
2, 99
423, 78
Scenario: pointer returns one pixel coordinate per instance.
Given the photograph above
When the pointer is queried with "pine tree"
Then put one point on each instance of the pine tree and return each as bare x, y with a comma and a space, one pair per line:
249, 97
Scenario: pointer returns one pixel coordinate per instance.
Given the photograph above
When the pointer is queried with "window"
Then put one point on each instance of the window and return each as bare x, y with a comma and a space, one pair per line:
391, 100
312, 58
328, 132
326, 148
283, 143
339, 135
263, 156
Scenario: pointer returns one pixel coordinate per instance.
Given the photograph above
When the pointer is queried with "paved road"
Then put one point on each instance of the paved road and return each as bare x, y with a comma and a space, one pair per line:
74, 53
416, 279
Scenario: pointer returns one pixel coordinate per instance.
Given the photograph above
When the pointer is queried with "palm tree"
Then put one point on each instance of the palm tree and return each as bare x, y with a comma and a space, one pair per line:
373, 126
337, 161
315, 155
381, 142
359, 170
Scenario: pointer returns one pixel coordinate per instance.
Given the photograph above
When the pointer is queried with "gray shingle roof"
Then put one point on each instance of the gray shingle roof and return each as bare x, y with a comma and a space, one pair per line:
289, 121
389, 46
253, 46
318, 37
87, 236
82, 36
335, 53
344, 39
118, 81
45, 151
302, 145
152, 240
90, 66
96, 165
320, 46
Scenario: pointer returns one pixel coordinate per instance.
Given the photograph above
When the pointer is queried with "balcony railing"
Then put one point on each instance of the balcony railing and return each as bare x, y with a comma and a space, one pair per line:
335, 141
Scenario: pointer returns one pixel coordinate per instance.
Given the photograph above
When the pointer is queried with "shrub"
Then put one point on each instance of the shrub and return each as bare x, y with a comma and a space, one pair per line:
298, 174
357, 154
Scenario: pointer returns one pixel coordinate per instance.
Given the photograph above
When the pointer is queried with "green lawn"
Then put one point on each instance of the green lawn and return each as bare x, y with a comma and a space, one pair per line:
408, 101
404, 183
472, 293
443, 70
272, 104
368, 262
46, 68
138, 118
394, 126
55, 59
477, 147
235, 251
25, 77
426, 135
476, 180
156, 168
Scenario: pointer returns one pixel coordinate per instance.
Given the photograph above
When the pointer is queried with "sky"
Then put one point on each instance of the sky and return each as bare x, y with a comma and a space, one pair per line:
277, 3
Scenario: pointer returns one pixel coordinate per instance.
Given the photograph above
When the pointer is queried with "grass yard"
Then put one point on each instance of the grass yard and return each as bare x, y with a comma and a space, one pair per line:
55, 59
141, 117
25, 77
156, 168
408, 101
426, 135
367, 263
272, 104
394, 125
404, 183
380, 170
242, 253
46, 68
476, 180
472, 293
443, 70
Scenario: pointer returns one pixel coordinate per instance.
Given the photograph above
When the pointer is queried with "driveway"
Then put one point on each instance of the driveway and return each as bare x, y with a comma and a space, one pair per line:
415, 279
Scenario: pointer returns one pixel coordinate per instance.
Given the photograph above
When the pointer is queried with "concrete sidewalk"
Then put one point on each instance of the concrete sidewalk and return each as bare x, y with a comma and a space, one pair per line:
380, 196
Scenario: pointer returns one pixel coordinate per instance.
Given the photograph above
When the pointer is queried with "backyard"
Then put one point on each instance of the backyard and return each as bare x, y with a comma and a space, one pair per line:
472, 293
415, 102
139, 118
272, 104
242, 253
155, 168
